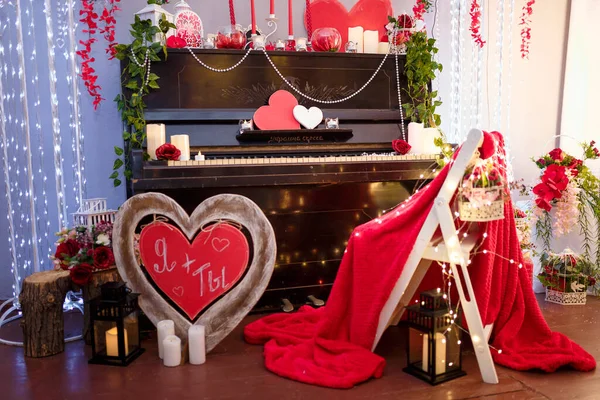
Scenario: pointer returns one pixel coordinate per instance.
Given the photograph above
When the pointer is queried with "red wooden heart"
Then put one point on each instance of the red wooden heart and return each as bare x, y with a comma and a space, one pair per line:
194, 275
370, 14
279, 114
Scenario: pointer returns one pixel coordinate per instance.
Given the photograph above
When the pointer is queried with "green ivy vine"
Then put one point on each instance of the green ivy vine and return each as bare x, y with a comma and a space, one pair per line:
136, 84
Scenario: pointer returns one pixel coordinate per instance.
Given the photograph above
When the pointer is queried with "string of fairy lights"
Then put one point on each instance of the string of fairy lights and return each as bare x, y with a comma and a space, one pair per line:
37, 202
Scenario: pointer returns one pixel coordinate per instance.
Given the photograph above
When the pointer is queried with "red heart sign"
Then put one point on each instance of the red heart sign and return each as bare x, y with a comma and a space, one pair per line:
194, 275
279, 114
370, 14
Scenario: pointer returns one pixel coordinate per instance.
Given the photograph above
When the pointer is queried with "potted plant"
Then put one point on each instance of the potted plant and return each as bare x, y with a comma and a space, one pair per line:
420, 69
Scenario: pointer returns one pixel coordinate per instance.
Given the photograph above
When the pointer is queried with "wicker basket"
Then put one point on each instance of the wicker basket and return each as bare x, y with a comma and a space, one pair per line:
481, 204
564, 298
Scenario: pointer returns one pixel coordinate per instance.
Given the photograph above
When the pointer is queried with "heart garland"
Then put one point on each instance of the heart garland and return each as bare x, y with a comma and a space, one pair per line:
224, 314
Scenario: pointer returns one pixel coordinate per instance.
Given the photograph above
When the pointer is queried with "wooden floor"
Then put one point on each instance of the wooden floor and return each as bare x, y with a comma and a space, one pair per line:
235, 370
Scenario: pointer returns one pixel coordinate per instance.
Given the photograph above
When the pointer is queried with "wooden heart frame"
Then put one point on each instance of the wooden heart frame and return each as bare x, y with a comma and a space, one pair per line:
227, 312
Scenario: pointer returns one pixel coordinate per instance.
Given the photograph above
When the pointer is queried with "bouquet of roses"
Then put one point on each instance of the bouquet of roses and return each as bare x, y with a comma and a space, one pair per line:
84, 250
483, 175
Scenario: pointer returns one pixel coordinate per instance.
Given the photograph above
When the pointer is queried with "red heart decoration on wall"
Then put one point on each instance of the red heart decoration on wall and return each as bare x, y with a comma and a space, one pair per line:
279, 114
370, 14
194, 275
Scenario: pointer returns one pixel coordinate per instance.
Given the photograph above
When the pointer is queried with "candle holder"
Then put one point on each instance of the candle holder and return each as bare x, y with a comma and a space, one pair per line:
290, 44
332, 123
246, 125
301, 44
351, 47
280, 45
209, 42
258, 42
114, 317
434, 342
271, 23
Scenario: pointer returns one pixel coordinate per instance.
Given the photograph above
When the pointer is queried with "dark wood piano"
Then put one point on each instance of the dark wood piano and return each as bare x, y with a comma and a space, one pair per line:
314, 193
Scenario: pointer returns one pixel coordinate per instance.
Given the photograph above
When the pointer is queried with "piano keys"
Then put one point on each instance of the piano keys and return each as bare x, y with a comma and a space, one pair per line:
314, 194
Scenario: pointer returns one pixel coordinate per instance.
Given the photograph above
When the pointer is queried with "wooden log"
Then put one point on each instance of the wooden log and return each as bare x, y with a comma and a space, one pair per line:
42, 297
91, 290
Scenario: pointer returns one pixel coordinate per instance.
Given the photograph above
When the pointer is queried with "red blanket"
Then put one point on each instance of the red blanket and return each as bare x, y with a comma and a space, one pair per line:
331, 346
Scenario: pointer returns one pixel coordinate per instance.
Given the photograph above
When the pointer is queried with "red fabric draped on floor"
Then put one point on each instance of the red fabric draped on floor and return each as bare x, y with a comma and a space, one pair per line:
331, 346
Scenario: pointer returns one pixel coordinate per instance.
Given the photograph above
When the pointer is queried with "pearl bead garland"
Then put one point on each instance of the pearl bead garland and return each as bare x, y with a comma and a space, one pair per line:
305, 95
234, 66
146, 65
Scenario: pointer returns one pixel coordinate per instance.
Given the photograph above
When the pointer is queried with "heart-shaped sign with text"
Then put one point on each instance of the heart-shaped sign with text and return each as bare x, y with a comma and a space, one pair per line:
194, 275
199, 262
279, 114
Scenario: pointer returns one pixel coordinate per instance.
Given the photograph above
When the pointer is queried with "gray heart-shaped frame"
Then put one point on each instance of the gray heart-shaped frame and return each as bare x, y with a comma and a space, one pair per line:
227, 312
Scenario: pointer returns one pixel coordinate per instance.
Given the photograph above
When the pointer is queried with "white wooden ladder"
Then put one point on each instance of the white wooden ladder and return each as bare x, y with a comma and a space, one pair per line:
450, 251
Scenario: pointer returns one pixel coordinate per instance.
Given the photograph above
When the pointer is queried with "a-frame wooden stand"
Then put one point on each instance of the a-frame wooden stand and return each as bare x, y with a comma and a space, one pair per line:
450, 251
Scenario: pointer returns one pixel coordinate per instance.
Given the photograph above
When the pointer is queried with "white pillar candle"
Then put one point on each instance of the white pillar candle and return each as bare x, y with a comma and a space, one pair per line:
383, 47
370, 41
197, 344
172, 351
164, 329
355, 34
440, 353
112, 342
182, 142
155, 137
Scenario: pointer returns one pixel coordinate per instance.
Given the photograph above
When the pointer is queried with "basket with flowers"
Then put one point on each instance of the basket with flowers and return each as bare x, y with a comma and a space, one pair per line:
84, 250
399, 31
566, 277
481, 196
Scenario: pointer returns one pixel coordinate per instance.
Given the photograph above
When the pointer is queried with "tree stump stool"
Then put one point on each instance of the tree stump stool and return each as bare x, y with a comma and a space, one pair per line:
42, 298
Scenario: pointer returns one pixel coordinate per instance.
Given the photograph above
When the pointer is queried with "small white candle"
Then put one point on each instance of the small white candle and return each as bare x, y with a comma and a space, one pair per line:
112, 342
164, 329
383, 47
155, 137
172, 351
199, 157
182, 142
197, 344
355, 34
371, 41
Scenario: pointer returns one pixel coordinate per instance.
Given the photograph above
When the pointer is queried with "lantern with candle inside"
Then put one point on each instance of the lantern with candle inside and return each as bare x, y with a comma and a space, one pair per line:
434, 340
114, 317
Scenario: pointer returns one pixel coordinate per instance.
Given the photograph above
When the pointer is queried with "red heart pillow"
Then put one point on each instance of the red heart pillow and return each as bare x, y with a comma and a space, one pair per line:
279, 114
370, 14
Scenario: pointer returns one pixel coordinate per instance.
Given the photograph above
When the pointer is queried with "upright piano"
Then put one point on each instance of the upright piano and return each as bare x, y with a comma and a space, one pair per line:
314, 191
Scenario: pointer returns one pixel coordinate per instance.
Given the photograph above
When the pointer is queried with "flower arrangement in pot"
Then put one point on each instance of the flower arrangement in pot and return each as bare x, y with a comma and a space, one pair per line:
566, 277
420, 69
482, 193
567, 196
84, 250
399, 31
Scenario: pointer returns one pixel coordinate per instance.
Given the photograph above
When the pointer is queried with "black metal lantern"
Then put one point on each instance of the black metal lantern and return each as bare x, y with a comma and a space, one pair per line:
114, 319
434, 341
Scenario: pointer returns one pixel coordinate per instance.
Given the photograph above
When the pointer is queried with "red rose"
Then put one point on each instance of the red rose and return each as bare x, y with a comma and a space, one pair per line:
548, 269
557, 154
67, 249
405, 21
103, 257
543, 204
592, 281
90, 252
541, 162
545, 192
175, 42
494, 175
81, 274
168, 152
401, 146
556, 178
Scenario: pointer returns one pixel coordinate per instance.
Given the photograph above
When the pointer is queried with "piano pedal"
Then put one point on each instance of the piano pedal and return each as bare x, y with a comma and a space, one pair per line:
315, 302
287, 306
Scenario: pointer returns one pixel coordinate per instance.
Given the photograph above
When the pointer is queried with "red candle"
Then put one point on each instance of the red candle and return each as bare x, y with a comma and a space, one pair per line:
253, 11
272, 10
290, 20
